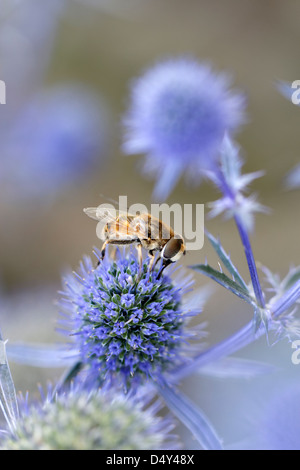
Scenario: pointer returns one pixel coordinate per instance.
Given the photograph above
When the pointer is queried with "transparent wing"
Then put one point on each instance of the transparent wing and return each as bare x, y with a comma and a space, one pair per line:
121, 224
102, 214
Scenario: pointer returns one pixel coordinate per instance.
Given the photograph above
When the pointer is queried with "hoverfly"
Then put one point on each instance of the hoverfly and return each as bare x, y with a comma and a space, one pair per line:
144, 230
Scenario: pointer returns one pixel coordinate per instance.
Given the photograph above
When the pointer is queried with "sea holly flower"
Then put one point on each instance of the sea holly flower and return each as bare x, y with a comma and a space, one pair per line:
127, 300
132, 333
27, 37
82, 420
179, 112
57, 140
107, 343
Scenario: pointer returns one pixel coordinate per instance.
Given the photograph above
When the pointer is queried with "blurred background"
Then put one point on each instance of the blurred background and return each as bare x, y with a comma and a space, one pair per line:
67, 66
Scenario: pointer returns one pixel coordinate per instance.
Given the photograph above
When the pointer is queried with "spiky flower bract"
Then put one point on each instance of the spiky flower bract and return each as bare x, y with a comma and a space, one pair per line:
127, 325
82, 420
284, 303
233, 184
179, 112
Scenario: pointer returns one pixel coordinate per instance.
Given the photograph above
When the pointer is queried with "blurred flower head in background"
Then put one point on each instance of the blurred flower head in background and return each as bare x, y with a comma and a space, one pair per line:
51, 138
58, 139
127, 325
178, 115
91, 421
27, 36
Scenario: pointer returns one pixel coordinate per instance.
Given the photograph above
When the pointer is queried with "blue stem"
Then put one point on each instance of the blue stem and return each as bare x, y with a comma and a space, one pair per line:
287, 300
251, 263
228, 192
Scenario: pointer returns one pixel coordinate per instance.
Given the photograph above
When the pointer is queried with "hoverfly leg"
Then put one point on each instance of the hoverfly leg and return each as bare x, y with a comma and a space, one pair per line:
152, 264
140, 259
102, 253
153, 261
165, 264
103, 249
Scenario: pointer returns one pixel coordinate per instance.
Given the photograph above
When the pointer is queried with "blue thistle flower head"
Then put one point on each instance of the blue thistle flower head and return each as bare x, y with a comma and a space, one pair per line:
127, 325
57, 140
179, 113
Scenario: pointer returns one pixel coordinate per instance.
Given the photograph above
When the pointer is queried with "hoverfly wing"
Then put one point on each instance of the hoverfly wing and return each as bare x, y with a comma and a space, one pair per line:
91, 212
118, 222
101, 214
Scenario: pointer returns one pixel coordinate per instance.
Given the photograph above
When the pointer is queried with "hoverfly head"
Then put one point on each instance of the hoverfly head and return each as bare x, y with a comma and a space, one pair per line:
173, 250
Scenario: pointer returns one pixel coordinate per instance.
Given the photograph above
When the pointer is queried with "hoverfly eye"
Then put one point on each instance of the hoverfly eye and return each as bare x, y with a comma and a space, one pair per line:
172, 249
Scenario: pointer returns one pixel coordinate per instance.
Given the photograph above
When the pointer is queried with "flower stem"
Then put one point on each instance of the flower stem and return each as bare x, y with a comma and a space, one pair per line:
251, 263
228, 192
287, 300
